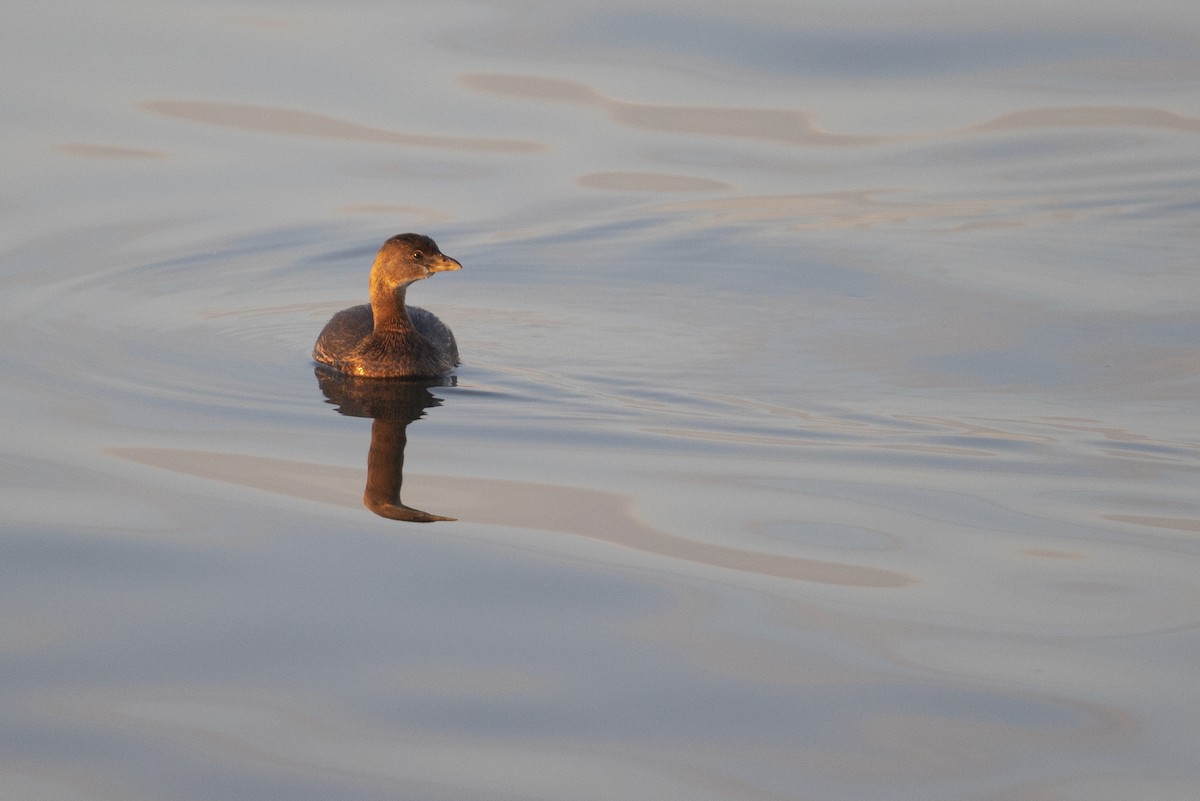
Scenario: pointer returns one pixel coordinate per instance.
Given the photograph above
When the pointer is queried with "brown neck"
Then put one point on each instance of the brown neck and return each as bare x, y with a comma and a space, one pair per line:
387, 307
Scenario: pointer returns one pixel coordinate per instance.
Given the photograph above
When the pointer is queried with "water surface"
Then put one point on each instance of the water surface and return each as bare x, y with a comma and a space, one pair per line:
827, 426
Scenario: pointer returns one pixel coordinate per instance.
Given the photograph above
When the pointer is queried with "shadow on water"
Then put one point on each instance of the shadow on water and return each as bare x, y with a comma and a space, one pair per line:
391, 404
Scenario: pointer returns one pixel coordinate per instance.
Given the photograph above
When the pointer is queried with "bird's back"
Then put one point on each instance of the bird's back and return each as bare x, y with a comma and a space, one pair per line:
350, 328
342, 333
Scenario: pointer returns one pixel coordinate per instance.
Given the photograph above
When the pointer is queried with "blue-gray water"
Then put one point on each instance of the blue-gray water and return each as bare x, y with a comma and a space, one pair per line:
827, 426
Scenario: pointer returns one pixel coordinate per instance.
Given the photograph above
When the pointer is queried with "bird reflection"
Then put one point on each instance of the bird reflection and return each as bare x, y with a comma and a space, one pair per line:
392, 404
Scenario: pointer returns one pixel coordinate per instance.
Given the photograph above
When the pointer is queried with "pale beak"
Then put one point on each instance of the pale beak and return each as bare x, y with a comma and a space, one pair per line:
442, 263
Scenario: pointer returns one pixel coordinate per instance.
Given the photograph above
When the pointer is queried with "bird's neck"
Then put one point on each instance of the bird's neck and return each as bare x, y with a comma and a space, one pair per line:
387, 307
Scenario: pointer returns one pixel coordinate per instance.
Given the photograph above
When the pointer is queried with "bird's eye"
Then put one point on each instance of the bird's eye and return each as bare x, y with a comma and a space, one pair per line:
418, 255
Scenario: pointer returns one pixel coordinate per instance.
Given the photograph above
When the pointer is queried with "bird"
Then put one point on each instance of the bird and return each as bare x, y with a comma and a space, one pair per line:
386, 338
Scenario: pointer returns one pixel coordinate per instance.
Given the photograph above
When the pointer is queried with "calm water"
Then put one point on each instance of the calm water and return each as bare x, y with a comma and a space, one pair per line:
827, 427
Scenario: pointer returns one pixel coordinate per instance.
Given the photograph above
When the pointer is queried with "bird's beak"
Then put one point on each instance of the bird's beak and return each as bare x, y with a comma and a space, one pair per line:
443, 263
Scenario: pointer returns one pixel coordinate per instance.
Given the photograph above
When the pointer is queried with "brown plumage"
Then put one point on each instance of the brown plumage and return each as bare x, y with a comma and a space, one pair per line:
386, 338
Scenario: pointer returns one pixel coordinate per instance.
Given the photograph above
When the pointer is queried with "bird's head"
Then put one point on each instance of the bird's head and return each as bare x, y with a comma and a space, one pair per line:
409, 257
